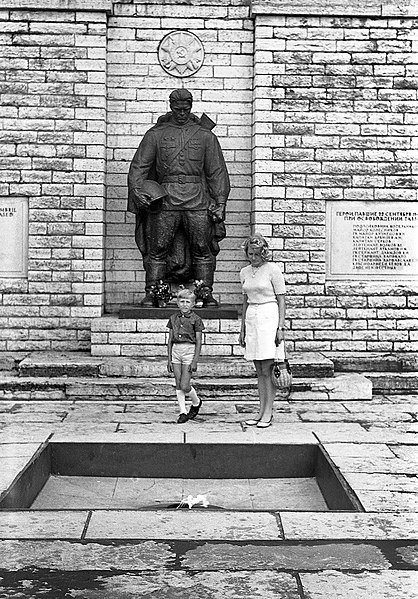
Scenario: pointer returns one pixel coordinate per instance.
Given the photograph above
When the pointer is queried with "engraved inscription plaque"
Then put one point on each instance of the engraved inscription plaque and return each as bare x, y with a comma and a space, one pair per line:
14, 237
372, 240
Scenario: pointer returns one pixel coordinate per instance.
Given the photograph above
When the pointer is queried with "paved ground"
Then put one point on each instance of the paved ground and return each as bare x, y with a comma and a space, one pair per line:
211, 554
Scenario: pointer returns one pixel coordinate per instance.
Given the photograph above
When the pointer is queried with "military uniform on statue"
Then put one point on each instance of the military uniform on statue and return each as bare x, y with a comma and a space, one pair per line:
179, 223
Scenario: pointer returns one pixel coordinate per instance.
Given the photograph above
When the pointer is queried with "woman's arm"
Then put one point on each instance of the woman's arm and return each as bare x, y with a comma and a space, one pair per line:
244, 311
170, 351
281, 301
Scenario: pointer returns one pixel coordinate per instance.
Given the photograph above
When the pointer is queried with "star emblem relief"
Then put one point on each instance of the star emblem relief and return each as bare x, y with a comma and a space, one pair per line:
181, 53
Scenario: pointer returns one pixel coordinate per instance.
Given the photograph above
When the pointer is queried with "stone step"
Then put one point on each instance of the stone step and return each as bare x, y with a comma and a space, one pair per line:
77, 364
373, 362
341, 387
393, 383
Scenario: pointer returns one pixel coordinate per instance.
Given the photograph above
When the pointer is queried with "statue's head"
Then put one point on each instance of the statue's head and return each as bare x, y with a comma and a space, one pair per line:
181, 101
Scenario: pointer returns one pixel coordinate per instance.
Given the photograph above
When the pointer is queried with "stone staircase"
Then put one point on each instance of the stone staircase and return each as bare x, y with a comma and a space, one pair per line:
318, 376
70, 376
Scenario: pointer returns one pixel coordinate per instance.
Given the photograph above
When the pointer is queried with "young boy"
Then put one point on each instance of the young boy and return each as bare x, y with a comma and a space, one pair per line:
184, 344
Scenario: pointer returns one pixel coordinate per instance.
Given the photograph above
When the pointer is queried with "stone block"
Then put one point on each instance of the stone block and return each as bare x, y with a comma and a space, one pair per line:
63, 555
364, 526
339, 556
42, 525
384, 585
183, 524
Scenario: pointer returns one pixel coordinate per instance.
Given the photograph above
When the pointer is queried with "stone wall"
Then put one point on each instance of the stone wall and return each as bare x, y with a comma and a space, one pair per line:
314, 102
335, 119
138, 90
53, 141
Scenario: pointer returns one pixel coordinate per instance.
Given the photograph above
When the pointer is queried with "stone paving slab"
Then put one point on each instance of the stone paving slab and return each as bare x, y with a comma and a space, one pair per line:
340, 432
25, 434
363, 417
383, 482
388, 501
339, 556
75, 492
349, 525
161, 584
375, 465
65, 555
391, 434
406, 452
384, 585
40, 407
42, 525
147, 436
359, 450
292, 434
17, 450
183, 524
28, 418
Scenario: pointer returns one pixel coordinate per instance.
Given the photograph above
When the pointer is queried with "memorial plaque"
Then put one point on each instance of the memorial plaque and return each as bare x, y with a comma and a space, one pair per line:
372, 240
14, 237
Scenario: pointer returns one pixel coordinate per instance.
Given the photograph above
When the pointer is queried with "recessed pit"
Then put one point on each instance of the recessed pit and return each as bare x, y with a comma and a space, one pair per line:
259, 477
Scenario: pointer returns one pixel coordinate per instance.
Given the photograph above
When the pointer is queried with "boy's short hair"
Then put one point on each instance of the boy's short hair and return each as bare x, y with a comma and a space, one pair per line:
186, 293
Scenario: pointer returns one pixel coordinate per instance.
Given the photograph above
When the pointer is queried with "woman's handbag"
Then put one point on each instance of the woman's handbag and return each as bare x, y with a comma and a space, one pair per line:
282, 377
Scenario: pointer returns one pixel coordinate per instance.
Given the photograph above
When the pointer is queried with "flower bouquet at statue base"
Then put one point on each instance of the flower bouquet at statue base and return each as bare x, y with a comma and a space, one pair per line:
161, 294
202, 292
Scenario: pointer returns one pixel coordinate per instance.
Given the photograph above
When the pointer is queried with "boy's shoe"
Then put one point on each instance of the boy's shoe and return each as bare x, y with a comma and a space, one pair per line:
194, 410
182, 419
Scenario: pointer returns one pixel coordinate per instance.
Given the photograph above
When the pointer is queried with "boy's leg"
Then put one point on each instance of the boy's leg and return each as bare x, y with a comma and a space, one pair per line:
181, 396
196, 402
186, 376
194, 397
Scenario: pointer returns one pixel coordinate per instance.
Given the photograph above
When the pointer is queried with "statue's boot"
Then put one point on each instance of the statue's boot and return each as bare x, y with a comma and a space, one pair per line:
204, 272
148, 300
154, 272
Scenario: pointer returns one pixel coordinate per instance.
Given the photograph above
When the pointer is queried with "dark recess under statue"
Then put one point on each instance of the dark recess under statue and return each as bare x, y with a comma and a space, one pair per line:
178, 189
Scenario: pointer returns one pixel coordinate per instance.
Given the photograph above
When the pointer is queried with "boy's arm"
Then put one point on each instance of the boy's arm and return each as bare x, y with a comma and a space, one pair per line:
197, 348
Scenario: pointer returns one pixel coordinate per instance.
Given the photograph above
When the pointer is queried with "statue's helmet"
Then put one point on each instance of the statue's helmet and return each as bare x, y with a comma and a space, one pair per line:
153, 189
181, 95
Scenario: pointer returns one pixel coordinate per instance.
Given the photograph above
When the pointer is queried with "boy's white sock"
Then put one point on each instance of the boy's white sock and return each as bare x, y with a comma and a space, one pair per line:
193, 396
181, 398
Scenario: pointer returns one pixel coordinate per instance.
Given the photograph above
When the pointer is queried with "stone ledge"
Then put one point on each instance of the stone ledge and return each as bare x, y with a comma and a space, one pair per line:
38, 5
336, 8
82, 365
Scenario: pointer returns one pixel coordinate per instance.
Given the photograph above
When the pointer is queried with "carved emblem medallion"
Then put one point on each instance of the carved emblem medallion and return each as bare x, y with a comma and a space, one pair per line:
181, 53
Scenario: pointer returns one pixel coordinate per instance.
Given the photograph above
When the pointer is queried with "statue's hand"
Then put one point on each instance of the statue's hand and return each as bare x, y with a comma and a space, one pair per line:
143, 199
218, 213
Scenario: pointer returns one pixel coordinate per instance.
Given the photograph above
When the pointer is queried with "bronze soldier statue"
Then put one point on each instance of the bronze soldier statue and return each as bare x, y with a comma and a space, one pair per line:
178, 188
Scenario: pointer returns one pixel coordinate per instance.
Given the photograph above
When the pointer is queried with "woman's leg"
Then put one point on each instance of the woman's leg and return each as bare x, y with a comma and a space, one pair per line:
266, 389
261, 388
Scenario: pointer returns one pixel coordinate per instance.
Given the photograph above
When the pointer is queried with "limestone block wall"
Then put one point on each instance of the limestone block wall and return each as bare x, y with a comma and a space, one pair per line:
52, 151
138, 90
315, 101
335, 118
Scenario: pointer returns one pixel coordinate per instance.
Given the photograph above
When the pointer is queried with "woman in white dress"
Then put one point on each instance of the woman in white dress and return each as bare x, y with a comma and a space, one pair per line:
263, 321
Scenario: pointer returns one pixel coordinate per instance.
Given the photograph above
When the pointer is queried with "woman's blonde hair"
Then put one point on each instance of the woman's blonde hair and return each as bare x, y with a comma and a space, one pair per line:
258, 242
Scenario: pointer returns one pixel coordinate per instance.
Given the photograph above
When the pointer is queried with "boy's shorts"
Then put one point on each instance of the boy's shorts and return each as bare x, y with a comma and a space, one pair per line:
182, 353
